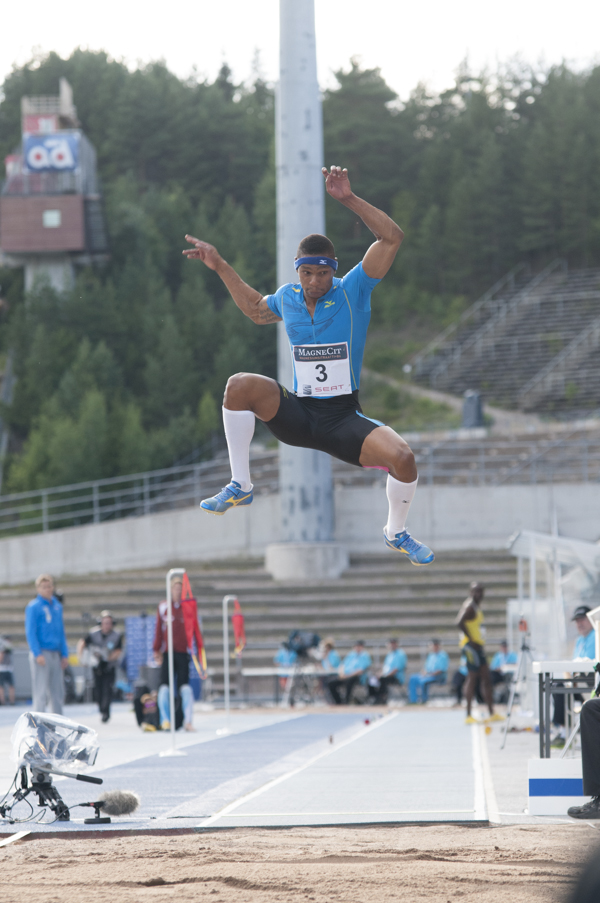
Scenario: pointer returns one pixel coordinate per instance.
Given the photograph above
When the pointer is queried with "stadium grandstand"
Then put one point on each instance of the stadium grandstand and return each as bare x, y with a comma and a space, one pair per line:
530, 343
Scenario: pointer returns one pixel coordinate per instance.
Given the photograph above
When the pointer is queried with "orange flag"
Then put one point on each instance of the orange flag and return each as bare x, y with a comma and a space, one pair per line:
189, 608
239, 633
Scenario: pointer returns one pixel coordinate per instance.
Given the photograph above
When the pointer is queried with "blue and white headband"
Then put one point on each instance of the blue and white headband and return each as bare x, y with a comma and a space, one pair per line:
317, 261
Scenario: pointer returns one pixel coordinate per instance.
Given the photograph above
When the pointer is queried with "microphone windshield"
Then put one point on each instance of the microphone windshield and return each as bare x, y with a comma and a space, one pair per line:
119, 802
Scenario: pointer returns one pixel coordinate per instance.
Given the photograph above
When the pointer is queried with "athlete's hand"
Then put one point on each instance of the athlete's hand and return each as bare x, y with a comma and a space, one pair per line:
337, 182
208, 254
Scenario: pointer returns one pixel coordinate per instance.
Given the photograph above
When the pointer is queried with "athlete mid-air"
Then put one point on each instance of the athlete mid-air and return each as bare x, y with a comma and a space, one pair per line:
326, 320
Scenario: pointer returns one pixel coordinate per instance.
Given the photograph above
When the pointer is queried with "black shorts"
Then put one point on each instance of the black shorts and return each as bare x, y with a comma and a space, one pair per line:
476, 658
333, 425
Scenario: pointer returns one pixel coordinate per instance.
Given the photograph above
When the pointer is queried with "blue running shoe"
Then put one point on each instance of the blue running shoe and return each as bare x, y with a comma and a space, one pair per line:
232, 496
418, 553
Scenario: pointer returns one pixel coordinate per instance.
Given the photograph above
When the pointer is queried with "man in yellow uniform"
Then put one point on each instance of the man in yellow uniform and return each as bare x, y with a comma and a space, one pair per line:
470, 621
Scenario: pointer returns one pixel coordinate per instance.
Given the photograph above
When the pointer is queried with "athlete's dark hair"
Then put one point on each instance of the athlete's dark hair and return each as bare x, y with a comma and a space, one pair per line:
314, 245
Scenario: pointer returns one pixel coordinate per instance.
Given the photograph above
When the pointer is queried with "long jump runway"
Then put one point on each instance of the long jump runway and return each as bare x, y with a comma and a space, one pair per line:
324, 768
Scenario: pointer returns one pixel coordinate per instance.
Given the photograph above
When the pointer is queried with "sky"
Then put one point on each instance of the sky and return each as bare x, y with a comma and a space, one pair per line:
420, 42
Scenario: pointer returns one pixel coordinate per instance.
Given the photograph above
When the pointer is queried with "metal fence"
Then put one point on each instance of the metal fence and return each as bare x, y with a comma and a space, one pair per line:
129, 496
485, 462
505, 462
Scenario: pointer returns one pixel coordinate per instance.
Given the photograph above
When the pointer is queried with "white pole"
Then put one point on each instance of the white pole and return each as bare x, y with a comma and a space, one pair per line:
305, 481
173, 751
226, 601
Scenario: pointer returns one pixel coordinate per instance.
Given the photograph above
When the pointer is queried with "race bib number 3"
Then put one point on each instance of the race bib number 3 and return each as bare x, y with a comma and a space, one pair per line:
322, 370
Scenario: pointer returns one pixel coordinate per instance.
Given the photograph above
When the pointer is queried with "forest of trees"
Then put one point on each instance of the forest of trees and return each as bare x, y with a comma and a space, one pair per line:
126, 371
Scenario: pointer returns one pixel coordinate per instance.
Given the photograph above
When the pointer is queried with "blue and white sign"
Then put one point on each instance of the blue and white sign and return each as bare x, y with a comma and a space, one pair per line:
555, 785
51, 153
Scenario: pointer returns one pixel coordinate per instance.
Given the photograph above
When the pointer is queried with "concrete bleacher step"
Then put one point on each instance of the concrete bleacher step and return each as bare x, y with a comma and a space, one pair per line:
377, 596
523, 342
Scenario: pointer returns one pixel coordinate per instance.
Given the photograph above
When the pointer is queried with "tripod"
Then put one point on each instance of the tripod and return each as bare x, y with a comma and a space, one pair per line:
521, 673
45, 790
299, 687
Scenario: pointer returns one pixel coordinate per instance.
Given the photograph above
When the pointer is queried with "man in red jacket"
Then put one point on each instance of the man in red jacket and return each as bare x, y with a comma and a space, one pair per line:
185, 630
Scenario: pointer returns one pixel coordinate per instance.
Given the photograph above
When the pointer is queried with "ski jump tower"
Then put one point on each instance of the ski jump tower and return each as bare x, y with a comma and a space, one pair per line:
50, 207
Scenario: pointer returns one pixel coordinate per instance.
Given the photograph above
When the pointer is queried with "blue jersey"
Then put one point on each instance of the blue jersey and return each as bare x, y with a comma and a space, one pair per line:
436, 661
395, 661
501, 659
331, 661
341, 317
585, 646
356, 661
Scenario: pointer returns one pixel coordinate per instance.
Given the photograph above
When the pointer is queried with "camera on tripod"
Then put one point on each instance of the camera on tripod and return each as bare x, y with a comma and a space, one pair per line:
302, 642
47, 745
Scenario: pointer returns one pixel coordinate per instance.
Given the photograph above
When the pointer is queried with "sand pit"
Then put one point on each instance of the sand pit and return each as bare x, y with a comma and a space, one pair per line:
437, 864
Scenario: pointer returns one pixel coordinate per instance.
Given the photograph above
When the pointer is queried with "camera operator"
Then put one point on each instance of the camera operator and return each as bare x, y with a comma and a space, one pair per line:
105, 645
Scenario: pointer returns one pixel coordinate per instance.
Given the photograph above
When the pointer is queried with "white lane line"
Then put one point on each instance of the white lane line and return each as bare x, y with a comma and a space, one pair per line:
290, 774
479, 801
365, 812
488, 783
14, 837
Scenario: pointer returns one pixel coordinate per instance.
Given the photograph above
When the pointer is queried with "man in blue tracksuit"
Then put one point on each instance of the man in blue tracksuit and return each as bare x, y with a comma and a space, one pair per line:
326, 320
48, 651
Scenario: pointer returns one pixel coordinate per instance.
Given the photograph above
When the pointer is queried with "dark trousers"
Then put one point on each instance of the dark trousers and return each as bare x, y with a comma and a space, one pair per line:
590, 747
181, 669
341, 688
104, 680
381, 692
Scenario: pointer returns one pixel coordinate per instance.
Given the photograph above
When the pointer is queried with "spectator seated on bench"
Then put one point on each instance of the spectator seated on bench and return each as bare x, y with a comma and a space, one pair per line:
499, 674
392, 672
285, 658
434, 672
353, 671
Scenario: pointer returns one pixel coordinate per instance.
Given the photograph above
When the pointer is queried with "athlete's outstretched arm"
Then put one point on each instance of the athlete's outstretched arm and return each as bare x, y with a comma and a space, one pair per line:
249, 301
380, 255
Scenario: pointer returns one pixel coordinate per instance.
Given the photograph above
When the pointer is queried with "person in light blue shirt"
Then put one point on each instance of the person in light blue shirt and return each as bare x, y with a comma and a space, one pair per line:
434, 672
331, 660
48, 650
325, 318
500, 674
503, 657
353, 670
585, 644
392, 672
585, 647
284, 657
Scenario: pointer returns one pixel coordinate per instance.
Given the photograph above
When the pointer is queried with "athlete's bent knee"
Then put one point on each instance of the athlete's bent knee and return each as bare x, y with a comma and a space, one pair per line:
404, 464
236, 389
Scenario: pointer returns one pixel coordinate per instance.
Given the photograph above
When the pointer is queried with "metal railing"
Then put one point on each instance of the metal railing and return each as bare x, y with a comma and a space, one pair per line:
477, 462
477, 338
128, 496
507, 281
553, 373
494, 464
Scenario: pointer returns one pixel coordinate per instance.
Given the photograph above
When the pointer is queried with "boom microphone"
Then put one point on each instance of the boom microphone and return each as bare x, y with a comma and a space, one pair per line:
118, 802
113, 802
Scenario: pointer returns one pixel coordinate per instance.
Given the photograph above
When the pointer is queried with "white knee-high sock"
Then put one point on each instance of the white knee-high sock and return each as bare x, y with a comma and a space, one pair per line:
400, 495
239, 430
